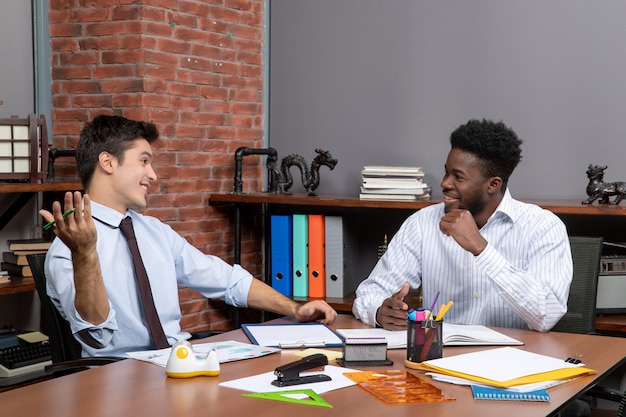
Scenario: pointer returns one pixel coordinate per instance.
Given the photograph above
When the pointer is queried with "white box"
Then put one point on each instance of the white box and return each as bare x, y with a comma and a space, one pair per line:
611, 294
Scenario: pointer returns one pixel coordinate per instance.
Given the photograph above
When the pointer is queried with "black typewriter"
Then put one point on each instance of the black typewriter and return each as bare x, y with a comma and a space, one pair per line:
21, 360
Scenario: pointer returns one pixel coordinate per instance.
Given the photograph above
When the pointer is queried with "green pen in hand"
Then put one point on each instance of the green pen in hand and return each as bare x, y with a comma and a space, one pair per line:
50, 224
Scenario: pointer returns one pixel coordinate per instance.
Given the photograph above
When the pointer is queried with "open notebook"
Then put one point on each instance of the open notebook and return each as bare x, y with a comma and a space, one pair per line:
453, 335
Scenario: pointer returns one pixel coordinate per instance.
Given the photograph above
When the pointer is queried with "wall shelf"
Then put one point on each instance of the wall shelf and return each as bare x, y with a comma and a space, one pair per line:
17, 286
23, 187
569, 207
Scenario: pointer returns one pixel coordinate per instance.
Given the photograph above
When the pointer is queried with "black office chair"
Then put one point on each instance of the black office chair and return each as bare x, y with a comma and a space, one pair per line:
581, 304
64, 349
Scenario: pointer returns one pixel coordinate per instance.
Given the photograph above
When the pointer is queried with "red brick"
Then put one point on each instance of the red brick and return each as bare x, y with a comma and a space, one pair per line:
123, 86
115, 71
106, 28
81, 87
82, 58
122, 57
91, 15
125, 13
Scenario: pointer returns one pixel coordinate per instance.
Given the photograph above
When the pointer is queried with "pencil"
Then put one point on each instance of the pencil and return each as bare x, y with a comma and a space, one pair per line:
50, 224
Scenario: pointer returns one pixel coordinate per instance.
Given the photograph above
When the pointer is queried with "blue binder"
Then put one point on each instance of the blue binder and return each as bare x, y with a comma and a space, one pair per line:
281, 250
300, 255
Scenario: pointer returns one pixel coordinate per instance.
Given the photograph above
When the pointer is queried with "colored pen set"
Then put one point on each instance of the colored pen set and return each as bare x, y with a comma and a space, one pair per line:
422, 314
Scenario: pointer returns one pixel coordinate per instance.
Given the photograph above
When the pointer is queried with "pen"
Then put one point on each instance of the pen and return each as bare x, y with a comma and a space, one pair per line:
49, 224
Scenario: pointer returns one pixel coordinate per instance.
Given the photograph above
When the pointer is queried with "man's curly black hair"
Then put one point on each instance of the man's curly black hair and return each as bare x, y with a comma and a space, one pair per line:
496, 146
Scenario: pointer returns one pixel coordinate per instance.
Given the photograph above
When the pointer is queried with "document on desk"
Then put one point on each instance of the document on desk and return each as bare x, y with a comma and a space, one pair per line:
296, 335
263, 382
229, 351
505, 367
396, 339
453, 335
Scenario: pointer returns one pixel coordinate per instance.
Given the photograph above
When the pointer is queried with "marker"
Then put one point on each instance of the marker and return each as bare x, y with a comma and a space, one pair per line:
432, 307
50, 224
444, 310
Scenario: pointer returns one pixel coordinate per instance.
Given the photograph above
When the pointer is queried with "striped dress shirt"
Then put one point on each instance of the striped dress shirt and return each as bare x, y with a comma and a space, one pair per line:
520, 280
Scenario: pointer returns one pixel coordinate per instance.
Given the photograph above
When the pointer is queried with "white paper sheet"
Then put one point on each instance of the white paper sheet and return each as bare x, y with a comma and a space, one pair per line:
229, 351
263, 382
502, 364
395, 339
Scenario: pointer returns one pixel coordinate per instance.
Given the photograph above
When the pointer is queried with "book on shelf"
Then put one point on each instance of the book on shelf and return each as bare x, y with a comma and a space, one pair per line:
408, 191
16, 271
410, 185
398, 197
28, 244
388, 170
14, 258
28, 252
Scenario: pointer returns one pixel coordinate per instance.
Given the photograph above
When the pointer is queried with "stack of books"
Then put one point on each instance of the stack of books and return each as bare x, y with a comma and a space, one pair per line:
15, 263
393, 183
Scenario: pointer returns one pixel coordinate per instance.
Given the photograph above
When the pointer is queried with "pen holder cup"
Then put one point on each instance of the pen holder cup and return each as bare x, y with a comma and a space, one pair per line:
424, 341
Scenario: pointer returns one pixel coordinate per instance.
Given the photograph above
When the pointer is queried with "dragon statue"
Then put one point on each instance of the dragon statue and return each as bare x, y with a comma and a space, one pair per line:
598, 189
283, 180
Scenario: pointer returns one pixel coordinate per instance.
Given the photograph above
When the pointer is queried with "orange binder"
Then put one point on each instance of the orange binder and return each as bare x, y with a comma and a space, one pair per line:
317, 255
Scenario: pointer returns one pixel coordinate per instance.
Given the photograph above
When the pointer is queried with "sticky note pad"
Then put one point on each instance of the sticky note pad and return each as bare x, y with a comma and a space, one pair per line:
33, 337
330, 354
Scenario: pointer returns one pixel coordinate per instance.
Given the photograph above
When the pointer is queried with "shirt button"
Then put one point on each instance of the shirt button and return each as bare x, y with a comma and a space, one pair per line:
476, 295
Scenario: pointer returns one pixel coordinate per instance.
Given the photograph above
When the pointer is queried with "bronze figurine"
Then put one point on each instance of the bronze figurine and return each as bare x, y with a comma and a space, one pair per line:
598, 189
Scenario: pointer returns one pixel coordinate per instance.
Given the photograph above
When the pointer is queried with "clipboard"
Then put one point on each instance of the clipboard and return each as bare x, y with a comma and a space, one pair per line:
297, 335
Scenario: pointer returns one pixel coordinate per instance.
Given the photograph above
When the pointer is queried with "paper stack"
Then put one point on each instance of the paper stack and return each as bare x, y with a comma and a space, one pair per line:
393, 183
506, 371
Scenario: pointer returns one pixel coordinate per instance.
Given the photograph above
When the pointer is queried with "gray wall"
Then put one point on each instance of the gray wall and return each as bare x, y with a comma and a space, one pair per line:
386, 81
17, 88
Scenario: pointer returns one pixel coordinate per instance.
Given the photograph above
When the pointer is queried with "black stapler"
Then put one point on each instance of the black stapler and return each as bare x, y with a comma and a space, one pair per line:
290, 374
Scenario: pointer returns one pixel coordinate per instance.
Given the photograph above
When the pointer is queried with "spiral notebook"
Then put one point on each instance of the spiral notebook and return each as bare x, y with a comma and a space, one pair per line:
488, 393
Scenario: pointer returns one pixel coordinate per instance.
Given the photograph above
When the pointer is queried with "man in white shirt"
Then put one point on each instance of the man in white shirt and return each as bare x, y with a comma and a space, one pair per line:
90, 271
501, 261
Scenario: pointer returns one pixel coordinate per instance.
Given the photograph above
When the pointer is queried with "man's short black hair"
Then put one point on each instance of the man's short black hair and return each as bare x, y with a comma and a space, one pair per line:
496, 146
112, 134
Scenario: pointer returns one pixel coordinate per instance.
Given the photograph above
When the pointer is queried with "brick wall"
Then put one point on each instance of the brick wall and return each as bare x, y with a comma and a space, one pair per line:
195, 69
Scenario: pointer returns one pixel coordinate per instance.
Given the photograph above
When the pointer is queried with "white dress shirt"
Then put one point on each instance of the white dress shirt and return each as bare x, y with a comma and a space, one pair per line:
520, 280
170, 261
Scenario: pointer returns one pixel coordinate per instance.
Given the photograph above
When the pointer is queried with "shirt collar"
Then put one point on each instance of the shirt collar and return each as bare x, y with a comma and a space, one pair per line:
107, 215
507, 207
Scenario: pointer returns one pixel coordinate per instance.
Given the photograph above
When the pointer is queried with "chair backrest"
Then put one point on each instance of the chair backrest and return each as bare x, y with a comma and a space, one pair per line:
581, 304
63, 346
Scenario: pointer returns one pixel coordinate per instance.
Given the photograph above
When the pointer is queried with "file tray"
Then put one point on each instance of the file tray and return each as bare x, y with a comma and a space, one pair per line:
398, 387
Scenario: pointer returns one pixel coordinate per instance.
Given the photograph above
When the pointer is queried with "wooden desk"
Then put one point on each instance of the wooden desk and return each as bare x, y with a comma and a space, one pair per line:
134, 388
611, 324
